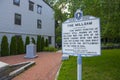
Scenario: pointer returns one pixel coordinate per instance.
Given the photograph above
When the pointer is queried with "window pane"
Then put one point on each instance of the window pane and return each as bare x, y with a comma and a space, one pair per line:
39, 23
39, 9
17, 19
16, 2
31, 5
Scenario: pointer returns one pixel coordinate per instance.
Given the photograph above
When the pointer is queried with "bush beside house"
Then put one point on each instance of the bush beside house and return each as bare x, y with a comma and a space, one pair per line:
33, 40
50, 49
27, 41
38, 43
13, 46
46, 43
20, 45
42, 43
4, 46
17, 45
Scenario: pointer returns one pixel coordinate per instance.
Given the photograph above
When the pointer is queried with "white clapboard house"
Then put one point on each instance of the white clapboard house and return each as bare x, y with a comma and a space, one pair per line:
27, 18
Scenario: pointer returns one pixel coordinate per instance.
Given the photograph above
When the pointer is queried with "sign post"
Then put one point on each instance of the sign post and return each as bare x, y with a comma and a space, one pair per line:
79, 67
81, 37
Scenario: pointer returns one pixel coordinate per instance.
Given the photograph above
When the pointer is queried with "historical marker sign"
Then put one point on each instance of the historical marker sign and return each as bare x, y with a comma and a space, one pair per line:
81, 37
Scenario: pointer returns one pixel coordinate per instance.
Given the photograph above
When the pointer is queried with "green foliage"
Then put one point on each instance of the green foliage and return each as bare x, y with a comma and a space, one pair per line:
109, 44
4, 46
46, 49
33, 40
104, 67
20, 45
68, 69
107, 11
58, 40
27, 41
38, 43
46, 43
59, 16
13, 46
49, 49
58, 34
42, 43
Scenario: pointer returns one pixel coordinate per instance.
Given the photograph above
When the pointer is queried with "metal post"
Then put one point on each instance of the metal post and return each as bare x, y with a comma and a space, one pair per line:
79, 67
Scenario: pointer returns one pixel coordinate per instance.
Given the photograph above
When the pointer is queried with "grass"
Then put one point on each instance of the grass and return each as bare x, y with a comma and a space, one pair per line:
104, 67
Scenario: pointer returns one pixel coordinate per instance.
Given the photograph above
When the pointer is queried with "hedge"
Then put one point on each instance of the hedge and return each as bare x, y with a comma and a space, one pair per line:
42, 43
33, 40
4, 46
13, 46
50, 49
27, 41
20, 45
38, 43
46, 43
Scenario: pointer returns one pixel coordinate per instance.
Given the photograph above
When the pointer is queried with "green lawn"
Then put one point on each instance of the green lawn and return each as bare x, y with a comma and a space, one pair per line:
104, 67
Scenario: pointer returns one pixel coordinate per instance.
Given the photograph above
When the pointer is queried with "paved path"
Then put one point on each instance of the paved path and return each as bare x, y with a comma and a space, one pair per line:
46, 67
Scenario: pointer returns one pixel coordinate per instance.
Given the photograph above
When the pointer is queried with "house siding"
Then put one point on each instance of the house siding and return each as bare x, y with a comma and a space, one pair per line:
29, 18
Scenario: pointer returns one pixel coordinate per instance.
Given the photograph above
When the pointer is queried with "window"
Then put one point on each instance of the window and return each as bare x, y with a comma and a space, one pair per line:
17, 19
16, 2
31, 6
39, 23
39, 9
49, 39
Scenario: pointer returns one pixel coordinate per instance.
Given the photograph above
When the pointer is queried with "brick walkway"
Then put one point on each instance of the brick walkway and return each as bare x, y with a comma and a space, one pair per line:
46, 67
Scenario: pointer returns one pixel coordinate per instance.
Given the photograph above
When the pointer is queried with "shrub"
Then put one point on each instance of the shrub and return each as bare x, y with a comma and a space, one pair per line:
42, 43
33, 40
20, 45
50, 49
13, 46
46, 49
4, 46
109, 44
46, 43
27, 41
38, 43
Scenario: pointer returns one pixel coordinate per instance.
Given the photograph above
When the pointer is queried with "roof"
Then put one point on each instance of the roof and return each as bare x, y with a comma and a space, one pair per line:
48, 4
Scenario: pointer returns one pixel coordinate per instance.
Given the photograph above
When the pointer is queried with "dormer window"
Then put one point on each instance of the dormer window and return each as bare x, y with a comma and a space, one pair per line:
16, 2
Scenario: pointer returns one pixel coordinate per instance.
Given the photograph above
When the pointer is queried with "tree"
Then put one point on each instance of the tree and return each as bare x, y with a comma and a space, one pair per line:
33, 40
110, 27
4, 46
38, 43
27, 41
107, 11
59, 17
58, 35
13, 46
42, 43
20, 45
46, 43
